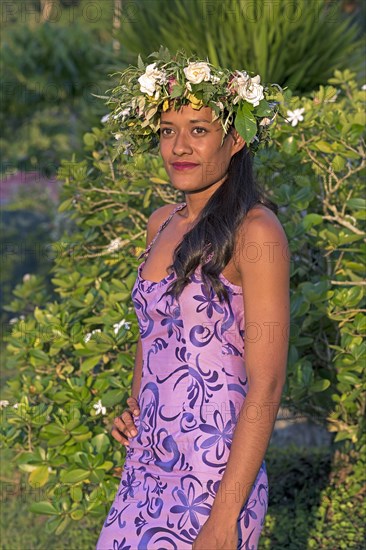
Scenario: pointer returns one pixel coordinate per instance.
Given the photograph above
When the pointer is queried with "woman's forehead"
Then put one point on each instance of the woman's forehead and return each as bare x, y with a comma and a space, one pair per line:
187, 114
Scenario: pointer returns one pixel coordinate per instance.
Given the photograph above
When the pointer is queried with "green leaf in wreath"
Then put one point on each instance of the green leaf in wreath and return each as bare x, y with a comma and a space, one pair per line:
263, 108
245, 123
177, 91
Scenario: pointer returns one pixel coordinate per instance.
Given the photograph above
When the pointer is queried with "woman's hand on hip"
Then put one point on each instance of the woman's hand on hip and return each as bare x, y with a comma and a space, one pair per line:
123, 425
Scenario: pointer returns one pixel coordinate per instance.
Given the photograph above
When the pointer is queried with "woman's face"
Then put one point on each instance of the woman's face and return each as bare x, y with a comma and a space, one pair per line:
190, 146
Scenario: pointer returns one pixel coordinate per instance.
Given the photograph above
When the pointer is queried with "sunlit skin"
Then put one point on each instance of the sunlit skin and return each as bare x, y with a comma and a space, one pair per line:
189, 136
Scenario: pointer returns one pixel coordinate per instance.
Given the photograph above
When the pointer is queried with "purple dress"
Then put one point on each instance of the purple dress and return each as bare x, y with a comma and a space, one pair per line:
192, 388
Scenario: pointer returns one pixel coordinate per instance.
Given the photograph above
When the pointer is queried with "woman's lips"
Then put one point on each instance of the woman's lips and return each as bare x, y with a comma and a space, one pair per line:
184, 165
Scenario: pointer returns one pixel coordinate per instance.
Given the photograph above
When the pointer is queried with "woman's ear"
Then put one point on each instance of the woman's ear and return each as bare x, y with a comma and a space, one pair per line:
238, 141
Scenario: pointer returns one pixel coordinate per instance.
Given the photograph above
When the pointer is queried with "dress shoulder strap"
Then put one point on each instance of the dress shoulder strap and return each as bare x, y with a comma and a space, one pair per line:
147, 249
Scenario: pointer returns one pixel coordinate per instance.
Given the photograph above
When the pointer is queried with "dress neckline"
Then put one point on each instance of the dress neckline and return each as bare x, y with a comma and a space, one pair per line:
172, 275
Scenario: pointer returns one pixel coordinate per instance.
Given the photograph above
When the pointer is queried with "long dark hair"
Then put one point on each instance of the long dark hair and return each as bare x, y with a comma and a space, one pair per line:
217, 225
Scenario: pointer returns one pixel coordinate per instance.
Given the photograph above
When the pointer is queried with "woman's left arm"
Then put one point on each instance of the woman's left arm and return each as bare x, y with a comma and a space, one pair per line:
262, 257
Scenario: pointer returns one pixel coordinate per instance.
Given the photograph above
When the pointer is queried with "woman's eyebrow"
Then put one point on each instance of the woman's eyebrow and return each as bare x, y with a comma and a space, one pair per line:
191, 121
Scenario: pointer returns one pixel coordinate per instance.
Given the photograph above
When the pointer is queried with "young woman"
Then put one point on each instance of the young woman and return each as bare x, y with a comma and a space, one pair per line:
212, 303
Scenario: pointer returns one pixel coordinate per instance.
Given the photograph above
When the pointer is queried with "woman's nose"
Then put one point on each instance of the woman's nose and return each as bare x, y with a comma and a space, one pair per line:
182, 144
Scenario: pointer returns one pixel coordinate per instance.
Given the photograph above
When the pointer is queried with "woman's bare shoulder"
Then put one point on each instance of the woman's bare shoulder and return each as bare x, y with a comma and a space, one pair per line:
260, 231
156, 218
261, 219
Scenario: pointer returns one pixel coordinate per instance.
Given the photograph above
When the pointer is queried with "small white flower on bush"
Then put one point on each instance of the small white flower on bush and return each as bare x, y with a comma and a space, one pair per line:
90, 334
118, 136
295, 116
99, 409
4, 404
13, 320
197, 72
363, 87
16, 405
26, 277
114, 245
105, 118
122, 323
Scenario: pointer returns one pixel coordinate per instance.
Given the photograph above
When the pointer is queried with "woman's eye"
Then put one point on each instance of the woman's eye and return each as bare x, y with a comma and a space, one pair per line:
200, 130
165, 131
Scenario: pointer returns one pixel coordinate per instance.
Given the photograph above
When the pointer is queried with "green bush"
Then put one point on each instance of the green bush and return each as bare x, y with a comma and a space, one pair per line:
74, 356
296, 44
317, 173
49, 73
28, 222
315, 500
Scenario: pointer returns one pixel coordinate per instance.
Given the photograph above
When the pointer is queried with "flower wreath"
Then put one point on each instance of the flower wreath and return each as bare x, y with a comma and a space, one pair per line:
145, 91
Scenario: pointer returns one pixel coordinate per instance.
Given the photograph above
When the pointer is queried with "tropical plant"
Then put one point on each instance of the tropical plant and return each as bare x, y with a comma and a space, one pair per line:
296, 44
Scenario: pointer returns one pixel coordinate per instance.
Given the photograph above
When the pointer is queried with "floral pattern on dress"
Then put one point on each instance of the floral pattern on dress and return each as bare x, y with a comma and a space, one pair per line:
193, 386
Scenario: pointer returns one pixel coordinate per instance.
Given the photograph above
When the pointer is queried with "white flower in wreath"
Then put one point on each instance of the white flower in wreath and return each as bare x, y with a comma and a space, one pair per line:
4, 403
197, 72
220, 105
250, 89
152, 72
150, 78
295, 116
124, 113
265, 121
147, 84
241, 77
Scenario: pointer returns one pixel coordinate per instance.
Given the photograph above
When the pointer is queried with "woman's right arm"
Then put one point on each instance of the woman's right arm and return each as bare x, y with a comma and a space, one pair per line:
124, 424
137, 372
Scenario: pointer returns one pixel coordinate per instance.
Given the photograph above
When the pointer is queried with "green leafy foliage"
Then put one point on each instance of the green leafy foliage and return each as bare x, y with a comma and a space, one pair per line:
315, 500
321, 203
74, 355
49, 73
